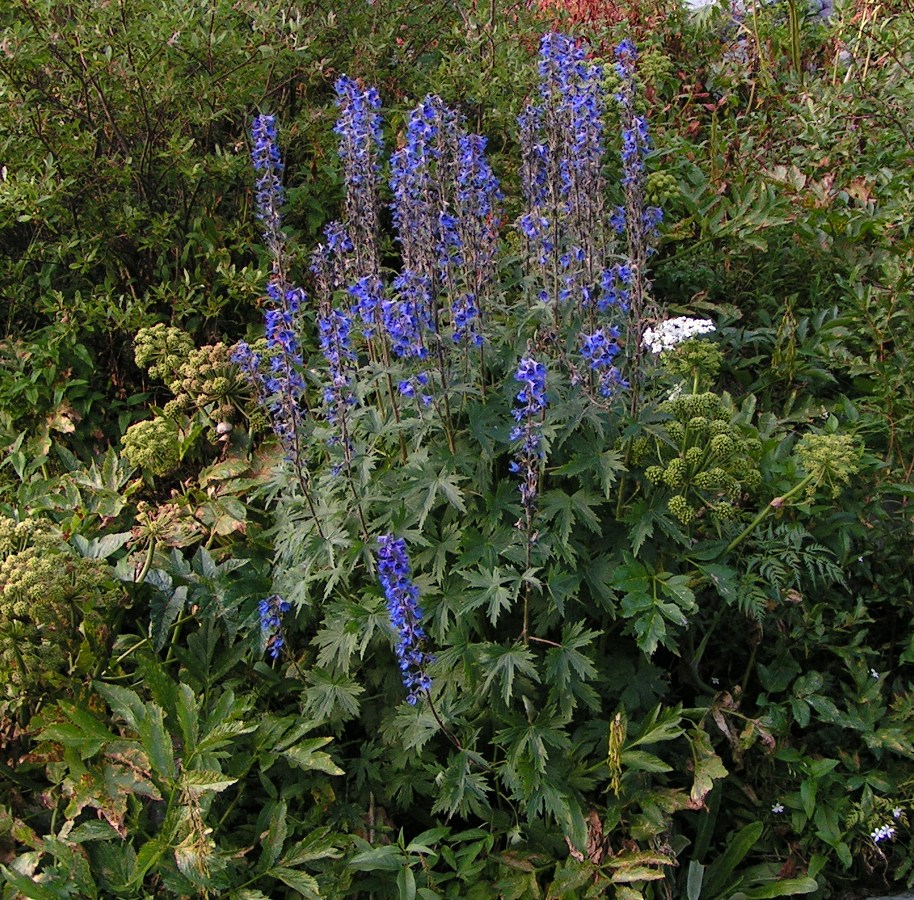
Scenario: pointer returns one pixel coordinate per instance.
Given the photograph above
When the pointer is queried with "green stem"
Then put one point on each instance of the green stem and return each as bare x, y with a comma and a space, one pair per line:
777, 503
147, 563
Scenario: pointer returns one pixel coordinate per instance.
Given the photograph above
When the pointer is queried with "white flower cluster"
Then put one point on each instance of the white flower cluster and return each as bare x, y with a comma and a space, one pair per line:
883, 833
674, 331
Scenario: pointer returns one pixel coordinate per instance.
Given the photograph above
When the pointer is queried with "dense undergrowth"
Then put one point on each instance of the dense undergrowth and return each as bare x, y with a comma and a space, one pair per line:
445, 461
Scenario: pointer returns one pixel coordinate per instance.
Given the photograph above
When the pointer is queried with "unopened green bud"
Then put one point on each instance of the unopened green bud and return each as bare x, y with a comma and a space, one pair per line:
654, 474
680, 508
674, 474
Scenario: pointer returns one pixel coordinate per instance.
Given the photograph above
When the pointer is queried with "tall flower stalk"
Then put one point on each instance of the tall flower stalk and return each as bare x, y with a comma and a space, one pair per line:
529, 412
562, 176
402, 595
282, 388
360, 148
636, 220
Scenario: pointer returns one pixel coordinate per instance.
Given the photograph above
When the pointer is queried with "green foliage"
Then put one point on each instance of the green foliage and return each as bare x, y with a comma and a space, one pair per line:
692, 678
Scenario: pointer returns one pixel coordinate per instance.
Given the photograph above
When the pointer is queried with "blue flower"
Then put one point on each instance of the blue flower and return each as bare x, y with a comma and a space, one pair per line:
599, 351
562, 171
639, 221
402, 597
269, 195
431, 134
333, 326
408, 317
272, 609
528, 413
278, 378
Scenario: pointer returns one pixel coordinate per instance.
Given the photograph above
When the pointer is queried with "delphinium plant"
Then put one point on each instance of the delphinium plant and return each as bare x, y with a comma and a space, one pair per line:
452, 505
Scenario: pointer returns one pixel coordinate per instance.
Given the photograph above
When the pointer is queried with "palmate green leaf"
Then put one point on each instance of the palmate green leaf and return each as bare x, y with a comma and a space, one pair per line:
640, 519
528, 741
426, 487
503, 664
348, 629
562, 585
598, 575
441, 544
564, 511
462, 787
567, 663
563, 806
612, 465
495, 589
332, 697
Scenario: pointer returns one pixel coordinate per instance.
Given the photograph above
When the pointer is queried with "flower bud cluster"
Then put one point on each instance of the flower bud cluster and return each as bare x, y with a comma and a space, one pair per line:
202, 379
161, 350
153, 445
831, 460
207, 380
49, 600
711, 464
660, 188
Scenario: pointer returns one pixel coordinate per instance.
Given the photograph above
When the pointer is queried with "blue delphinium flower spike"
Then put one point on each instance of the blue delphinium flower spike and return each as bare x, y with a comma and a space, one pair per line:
528, 414
272, 609
402, 597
